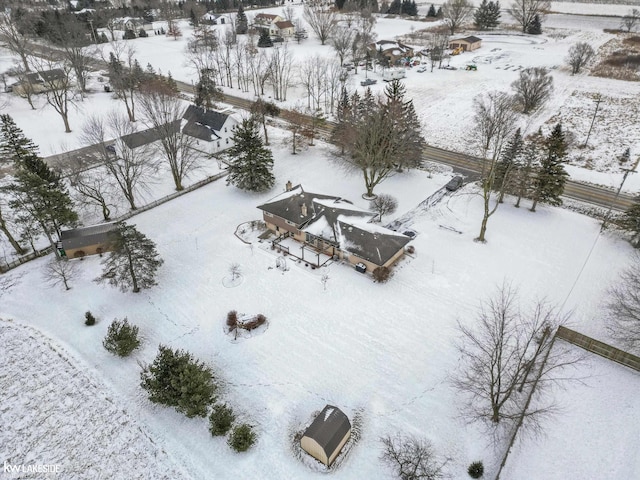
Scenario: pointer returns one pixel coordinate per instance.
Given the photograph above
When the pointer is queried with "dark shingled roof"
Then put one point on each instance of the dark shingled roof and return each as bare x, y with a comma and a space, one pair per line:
84, 236
329, 428
52, 75
209, 118
145, 137
470, 39
284, 24
289, 205
374, 246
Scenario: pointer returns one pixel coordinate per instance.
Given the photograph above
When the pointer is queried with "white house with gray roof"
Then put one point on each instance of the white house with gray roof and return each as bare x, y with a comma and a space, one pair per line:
212, 129
334, 227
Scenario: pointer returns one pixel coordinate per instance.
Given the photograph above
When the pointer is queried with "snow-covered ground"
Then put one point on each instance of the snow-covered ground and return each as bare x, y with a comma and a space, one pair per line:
382, 352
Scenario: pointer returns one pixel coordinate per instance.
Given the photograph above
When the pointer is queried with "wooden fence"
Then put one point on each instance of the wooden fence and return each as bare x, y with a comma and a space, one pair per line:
5, 267
599, 348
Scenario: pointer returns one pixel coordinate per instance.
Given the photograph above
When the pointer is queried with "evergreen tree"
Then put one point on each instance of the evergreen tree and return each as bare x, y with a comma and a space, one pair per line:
551, 177
176, 379
251, 163
535, 27
432, 11
21, 151
207, 92
395, 8
242, 24
221, 419
630, 222
439, 13
339, 4
525, 164
133, 261
507, 164
129, 34
241, 438
265, 40
487, 15
121, 338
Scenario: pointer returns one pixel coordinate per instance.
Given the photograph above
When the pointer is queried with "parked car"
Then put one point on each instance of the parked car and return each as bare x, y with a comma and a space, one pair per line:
368, 81
111, 149
422, 69
410, 233
449, 67
277, 39
361, 267
454, 184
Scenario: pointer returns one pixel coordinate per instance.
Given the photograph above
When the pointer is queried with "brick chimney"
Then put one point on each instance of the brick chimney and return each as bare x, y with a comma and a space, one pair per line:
289, 186
303, 209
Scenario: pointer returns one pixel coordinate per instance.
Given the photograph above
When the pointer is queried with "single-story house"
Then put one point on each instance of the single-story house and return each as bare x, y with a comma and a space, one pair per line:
216, 18
326, 435
468, 44
132, 23
93, 240
38, 82
395, 52
334, 227
211, 128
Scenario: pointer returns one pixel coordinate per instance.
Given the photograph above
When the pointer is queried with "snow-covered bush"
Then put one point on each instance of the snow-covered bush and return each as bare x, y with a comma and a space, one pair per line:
476, 470
89, 319
221, 419
242, 437
122, 338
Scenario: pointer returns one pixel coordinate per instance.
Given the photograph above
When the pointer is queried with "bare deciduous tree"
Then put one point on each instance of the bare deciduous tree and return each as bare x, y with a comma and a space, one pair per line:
94, 188
524, 11
58, 271
630, 20
129, 167
623, 305
342, 41
579, 55
58, 86
494, 120
533, 88
280, 72
14, 37
383, 204
438, 44
125, 75
235, 271
504, 354
163, 110
412, 458
455, 12
322, 22
25, 89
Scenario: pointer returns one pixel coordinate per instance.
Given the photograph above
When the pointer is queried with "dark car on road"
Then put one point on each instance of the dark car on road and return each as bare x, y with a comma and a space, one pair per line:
454, 184
368, 81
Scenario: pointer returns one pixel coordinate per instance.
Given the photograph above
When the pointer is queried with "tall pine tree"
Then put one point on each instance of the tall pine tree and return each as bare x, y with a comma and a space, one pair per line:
487, 15
551, 176
133, 261
251, 163
242, 24
630, 222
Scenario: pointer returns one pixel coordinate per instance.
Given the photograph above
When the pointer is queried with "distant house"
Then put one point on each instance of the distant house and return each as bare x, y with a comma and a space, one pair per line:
468, 44
38, 82
267, 21
83, 241
392, 50
216, 18
326, 436
211, 127
334, 227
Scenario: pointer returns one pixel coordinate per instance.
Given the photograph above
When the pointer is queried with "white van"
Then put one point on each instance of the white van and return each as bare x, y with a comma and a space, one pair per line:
393, 74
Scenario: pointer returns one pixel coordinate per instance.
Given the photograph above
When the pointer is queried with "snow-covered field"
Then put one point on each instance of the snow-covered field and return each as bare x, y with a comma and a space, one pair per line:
382, 352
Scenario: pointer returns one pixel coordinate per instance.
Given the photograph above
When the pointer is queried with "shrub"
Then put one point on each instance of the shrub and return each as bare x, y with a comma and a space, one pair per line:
381, 274
129, 34
411, 249
232, 319
220, 420
476, 470
255, 322
142, 33
122, 338
89, 319
241, 438
177, 380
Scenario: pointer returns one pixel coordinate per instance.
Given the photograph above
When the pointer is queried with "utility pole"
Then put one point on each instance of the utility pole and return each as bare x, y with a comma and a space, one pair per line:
598, 100
93, 32
626, 171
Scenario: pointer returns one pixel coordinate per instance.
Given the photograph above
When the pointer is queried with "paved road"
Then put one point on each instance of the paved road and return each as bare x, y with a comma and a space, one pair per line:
467, 165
